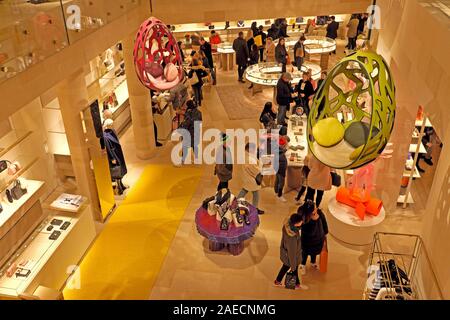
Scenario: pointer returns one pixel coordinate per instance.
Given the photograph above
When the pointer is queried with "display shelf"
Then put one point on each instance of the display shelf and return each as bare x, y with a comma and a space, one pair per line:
26, 162
416, 173
52, 203
37, 249
34, 189
428, 124
402, 199
225, 48
297, 140
11, 140
413, 148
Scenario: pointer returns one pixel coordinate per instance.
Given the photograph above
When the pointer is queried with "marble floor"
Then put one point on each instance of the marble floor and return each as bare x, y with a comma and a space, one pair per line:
191, 271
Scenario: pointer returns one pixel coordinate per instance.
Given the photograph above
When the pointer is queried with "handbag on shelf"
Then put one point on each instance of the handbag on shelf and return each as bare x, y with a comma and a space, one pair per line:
290, 281
336, 180
323, 265
17, 191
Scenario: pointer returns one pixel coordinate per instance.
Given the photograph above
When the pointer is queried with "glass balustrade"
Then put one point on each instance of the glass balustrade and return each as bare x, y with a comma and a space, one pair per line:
32, 30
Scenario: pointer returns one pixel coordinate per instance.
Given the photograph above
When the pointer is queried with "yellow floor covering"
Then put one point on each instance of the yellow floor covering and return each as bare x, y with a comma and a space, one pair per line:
126, 258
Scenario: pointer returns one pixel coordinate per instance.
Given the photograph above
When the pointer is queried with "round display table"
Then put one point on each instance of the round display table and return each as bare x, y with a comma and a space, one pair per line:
233, 238
320, 45
267, 74
226, 54
346, 226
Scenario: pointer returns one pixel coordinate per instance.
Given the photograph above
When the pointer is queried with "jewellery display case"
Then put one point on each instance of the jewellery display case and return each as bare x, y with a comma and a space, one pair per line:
268, 73
319, 45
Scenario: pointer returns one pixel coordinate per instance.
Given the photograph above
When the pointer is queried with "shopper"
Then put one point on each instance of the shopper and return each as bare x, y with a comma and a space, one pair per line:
304, 187
200, 73
314, 231
273, 32
332, 30
263, 43
249, 173
291, 249
242, 55
305, 91
299, 53
281, 54
362, 22
192, 120
428, 143
284, 97
310, 78
214, 40
281, 170
268, 116
181, 46
319, 179
323, 77
205, 46
224, 164
352, 32
269, 52
254, 58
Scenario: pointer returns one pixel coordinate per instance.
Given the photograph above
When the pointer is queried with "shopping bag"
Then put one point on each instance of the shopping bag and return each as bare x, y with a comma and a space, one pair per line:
290, 281
324, 258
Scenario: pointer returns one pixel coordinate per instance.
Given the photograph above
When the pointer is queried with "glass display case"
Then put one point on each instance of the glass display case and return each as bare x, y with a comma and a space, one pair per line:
319, 45
268, 73
225, 47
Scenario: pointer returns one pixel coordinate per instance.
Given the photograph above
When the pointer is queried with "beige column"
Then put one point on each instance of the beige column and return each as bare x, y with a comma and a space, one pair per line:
141, 109
73, 98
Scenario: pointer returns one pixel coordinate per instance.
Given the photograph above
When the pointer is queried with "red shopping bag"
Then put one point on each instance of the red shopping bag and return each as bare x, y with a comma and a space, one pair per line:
324, 258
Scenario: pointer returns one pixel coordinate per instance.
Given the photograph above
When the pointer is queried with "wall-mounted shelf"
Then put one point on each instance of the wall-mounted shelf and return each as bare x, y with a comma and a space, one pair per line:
26, 162
11, 140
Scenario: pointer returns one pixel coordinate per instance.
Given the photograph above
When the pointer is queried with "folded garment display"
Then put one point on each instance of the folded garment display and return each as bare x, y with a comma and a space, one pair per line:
362, 203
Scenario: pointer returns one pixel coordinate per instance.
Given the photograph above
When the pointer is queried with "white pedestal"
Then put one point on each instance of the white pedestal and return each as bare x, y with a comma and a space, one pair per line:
346, 226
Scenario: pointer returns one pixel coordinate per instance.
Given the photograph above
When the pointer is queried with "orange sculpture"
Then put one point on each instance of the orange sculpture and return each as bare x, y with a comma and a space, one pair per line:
357, 195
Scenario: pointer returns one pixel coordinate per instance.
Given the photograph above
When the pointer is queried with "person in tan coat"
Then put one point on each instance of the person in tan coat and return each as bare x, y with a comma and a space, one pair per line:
319, 179
352, 32
249, 171
269, 52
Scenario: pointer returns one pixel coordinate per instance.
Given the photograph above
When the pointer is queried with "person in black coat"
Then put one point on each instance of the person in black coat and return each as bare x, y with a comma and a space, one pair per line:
116, 159
268, 117
282, 169
332, 29
242, 55
273, 32
254, 58
305, 91
205, 46
281, 54
314, 232
264, 41
284, 97
200, 71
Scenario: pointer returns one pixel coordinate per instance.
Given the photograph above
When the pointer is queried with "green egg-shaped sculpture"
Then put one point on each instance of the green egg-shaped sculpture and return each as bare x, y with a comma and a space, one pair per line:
359, 92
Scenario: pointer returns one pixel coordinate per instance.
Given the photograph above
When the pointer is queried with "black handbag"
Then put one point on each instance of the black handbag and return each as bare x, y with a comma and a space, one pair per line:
259, 179
116, 172
17, 190
290, 281
336, 179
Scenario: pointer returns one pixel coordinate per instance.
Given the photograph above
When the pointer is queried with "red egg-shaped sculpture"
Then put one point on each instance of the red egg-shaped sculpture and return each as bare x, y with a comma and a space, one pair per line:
157, 57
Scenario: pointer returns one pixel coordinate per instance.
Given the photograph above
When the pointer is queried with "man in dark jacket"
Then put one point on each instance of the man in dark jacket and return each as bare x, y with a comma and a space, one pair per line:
291, 249
299, 53
332, 29
205, 46
305, 91
284, 97
242, 55
224, 164
282, 169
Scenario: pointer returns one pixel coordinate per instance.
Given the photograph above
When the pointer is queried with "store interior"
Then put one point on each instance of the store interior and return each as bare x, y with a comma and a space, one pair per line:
73, 227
